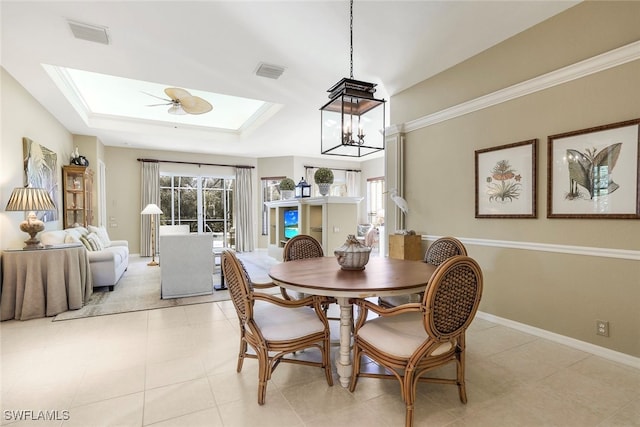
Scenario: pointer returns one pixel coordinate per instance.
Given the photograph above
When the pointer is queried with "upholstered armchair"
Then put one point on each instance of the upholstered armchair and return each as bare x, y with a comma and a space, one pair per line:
412, 339
274, 327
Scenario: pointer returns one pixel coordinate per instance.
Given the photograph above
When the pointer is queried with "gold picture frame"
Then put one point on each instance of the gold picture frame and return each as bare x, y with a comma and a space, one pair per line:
506, 181
594, 172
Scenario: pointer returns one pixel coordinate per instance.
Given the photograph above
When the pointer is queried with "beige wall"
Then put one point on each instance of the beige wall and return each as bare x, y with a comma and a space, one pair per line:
558, 291
23, 116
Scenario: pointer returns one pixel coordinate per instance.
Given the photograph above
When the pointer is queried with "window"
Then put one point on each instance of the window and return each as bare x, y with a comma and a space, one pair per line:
205, 203
375, 200
270, 192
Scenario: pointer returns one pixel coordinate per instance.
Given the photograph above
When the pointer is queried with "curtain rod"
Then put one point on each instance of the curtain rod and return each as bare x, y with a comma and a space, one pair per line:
335, 169
194, 163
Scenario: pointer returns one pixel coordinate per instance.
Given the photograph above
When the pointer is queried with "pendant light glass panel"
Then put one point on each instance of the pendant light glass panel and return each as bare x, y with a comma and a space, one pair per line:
352, 126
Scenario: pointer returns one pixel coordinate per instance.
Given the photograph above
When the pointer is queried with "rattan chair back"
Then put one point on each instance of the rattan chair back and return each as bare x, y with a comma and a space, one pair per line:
438, 252
239, 285
452, 297
443, 249
302, 246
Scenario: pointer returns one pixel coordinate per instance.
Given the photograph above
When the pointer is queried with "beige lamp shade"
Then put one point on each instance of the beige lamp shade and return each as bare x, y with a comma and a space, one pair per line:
30, 200
151, 209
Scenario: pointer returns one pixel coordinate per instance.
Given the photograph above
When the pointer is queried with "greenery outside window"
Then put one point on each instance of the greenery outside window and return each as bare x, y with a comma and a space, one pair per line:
205, 203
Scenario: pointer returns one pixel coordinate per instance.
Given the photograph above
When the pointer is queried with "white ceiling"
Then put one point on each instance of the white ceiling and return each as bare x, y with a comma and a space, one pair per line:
216, 46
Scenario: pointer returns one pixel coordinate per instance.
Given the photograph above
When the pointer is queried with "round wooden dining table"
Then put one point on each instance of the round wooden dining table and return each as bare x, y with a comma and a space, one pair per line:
382, 276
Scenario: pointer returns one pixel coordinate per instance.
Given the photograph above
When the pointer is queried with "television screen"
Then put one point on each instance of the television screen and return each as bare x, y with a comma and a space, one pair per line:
290, 232
291, 218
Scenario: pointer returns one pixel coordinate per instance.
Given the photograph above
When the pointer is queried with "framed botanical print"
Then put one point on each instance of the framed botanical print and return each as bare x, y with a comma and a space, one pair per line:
593, 173
506, 181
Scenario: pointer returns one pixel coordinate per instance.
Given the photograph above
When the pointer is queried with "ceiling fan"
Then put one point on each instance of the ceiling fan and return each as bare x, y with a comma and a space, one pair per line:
182, 102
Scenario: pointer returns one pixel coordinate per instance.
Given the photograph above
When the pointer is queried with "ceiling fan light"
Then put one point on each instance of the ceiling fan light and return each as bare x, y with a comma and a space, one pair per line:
177, 110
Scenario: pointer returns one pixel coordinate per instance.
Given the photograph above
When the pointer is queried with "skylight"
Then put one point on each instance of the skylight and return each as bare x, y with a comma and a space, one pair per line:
96, 95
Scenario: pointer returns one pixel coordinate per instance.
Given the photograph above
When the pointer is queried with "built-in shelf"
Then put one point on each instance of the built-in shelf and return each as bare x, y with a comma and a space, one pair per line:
328, 219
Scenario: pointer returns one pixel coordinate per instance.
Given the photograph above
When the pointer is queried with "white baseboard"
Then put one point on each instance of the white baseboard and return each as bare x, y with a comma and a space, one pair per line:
605, 353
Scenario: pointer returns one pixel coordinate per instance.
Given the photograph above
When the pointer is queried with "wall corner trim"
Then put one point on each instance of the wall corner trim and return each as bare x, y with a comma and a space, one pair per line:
598, 63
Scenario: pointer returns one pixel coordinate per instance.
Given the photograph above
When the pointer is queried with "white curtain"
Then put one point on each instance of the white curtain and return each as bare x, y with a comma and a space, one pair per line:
243, 217
353, 183
150, 193
311, 181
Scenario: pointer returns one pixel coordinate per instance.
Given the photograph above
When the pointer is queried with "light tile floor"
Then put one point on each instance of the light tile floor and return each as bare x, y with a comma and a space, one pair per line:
176, 367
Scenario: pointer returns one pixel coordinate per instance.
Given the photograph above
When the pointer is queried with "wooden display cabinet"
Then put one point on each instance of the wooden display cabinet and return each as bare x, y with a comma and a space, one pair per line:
77, 199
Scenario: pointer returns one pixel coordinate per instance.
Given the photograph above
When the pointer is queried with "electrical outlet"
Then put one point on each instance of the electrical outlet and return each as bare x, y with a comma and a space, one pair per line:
602, 328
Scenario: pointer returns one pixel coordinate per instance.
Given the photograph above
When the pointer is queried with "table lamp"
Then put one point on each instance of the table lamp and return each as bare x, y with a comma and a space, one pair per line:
153, 210
27, 199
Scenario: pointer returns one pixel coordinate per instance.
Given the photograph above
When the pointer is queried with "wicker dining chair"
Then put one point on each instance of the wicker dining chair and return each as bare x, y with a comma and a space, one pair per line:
273, 326
438, 252
410, 340
301, 246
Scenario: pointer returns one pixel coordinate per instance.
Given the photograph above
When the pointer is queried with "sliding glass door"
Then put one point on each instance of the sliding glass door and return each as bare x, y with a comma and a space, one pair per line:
205, 203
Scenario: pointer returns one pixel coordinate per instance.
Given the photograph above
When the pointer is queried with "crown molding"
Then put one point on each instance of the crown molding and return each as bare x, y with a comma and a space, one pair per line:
596, 64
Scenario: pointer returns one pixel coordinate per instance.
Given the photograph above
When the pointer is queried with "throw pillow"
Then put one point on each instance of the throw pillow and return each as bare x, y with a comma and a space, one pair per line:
102, 234
86, 243
71, 238
95, 242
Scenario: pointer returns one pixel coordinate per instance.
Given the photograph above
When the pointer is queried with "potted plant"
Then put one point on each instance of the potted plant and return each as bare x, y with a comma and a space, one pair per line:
287, 187
324, 178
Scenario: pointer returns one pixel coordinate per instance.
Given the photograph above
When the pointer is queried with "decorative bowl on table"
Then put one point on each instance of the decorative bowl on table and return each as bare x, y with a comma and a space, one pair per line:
353, 255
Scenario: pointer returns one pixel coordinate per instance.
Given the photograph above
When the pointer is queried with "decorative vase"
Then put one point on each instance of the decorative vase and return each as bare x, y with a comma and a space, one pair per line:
353, 255
324, 188
287, 194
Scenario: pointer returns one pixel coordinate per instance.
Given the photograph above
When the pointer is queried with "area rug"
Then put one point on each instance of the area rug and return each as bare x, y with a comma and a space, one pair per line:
139, 289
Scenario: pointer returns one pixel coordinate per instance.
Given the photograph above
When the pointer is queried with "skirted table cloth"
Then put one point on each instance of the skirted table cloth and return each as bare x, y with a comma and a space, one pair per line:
44, 282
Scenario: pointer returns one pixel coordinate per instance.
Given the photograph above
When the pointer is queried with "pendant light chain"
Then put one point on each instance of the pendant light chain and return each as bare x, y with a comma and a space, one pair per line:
351, 35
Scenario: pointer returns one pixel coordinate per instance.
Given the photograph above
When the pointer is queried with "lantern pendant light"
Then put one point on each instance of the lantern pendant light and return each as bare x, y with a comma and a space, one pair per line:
352, 122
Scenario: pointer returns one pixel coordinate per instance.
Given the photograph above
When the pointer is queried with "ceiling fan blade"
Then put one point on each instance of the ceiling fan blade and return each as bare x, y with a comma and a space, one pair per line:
195, 105
176, 93
157, 105
155, 96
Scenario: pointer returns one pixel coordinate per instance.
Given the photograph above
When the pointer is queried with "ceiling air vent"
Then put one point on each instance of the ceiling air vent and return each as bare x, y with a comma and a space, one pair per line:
92, 33
269, 71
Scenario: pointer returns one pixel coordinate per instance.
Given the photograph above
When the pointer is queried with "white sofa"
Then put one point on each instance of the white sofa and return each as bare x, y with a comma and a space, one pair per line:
108, 262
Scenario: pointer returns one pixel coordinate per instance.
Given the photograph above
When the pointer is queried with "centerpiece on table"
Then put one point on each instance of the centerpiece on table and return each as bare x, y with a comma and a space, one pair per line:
324, 178
353, 255
287, 188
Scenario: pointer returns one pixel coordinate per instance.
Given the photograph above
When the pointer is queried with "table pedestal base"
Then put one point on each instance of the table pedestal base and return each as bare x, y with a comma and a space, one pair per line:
343, 359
